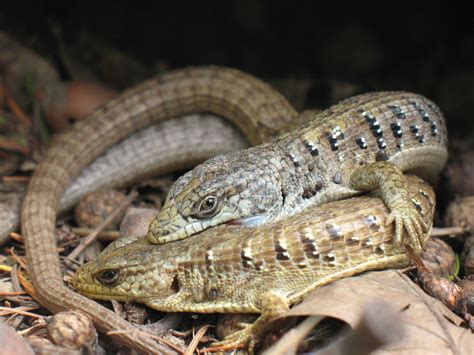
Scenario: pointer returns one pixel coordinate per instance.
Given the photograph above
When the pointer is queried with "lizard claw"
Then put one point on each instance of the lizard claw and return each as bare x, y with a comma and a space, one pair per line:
407, 218
239, 338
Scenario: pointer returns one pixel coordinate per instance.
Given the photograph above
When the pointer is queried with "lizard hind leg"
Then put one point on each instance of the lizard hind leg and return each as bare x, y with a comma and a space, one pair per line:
272, 304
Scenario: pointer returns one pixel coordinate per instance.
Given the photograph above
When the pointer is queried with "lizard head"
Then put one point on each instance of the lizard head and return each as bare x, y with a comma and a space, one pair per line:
237, 188
126, 274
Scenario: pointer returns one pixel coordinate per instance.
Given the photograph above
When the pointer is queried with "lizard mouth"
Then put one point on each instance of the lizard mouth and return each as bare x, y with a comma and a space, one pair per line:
249, 222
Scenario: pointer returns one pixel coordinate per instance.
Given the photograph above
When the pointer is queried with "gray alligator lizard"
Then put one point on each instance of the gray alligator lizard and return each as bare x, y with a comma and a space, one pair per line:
360, 144
249, 103
228, 269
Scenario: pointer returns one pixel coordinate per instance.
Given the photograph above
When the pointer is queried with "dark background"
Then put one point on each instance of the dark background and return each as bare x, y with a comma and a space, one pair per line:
425, 48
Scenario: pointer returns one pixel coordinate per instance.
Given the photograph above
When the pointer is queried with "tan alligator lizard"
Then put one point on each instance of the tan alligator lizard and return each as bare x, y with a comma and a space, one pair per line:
249, 103
233, 269
360, 144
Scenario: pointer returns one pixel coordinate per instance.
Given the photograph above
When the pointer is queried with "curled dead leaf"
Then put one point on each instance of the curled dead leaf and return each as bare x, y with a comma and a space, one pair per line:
430, 327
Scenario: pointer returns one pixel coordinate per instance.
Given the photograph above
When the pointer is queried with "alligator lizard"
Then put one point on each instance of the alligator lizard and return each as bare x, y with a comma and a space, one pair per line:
360, 144
228, 269
249, 103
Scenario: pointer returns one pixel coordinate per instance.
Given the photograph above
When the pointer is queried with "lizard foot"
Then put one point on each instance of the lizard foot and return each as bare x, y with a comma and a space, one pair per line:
273, 304
407, 218
244, 337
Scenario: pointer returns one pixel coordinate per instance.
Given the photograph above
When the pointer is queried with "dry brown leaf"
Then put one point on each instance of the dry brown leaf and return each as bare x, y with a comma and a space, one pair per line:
429, 327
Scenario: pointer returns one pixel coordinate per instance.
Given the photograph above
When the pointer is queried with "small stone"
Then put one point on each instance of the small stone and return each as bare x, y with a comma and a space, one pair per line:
72, 329
94, 208
460, 213
467, 256
136, 221
459, 172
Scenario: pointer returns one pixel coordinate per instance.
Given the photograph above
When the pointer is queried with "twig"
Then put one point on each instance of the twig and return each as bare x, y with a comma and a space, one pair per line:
5, 268
95, 232
31, 330
27, 286
8, 310
104, 235
11, 144
16, 236
448, 232
16, 293
22, 117
17, 258
196, 339
15, 178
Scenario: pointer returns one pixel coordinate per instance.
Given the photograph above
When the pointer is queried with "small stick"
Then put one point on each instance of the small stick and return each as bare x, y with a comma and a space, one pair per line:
16, 293
15, 178
11, 144
22, 117
448, 232
8, 310
104, 235
196, 339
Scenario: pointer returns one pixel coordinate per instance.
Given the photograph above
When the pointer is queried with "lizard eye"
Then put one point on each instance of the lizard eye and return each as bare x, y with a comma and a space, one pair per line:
109, 277
208, 207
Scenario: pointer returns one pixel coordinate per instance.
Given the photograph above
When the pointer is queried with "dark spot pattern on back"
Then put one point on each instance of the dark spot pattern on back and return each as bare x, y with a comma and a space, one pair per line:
353, 241
281, 252
361, 143
424, 115
294, 159
381, 143
415, 129
334, 230
372, 222
333, 137
329, 258
312, 191
417, 205
311, 147
247, 259
426, 196
379, 250
310, 246
376, 129
396, 129
397, 111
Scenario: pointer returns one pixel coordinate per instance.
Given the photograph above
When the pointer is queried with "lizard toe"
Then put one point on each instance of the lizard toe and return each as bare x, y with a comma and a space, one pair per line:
408, 221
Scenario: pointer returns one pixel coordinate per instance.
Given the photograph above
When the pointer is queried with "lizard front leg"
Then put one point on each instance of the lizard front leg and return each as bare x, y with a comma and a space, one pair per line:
272, 304
393, 184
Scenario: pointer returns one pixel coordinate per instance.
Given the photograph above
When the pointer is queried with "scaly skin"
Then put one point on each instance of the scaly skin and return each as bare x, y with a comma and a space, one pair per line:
249, 103
233, 269
360, 144
178, 144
